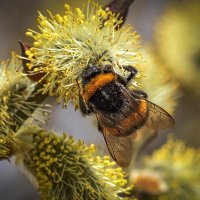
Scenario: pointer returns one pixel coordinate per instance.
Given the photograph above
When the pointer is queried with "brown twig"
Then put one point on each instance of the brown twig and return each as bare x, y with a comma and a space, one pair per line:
121, 7
33, 76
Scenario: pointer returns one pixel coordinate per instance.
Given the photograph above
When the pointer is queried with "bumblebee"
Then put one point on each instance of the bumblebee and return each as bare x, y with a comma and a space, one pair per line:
120, 112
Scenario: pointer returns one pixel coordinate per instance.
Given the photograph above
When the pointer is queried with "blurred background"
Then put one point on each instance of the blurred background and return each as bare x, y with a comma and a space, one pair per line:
149, 18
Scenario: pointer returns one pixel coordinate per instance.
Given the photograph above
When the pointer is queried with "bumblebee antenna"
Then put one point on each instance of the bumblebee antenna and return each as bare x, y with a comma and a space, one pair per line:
80, 89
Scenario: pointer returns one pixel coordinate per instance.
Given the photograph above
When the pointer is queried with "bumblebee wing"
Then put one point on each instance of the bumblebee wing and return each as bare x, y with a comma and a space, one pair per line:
120, 148
156, 117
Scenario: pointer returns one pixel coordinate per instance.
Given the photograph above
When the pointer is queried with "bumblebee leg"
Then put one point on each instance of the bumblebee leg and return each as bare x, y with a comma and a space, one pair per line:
132, 71
99, 127
83, 107
141, 93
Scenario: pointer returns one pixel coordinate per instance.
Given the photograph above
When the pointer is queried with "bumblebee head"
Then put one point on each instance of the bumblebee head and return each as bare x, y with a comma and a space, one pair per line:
91, 72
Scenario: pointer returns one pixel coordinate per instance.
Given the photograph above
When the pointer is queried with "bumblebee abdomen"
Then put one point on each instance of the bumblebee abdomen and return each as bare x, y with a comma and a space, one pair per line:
128, 120
108, 99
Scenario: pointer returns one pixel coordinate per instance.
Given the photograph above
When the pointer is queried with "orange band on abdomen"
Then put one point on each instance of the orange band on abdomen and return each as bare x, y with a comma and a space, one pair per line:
96, 83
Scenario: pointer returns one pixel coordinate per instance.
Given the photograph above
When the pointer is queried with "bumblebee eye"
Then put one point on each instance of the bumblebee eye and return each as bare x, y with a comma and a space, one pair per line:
89, 73
93, 71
